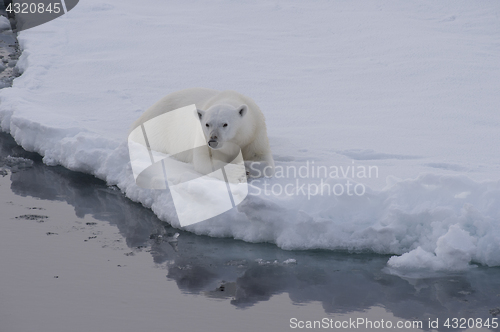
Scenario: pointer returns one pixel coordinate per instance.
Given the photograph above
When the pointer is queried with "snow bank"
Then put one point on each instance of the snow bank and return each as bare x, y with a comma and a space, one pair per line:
406, 90
4, 23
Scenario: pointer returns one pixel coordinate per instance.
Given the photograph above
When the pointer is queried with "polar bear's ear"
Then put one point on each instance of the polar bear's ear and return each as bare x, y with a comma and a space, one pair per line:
199, 113
243, 110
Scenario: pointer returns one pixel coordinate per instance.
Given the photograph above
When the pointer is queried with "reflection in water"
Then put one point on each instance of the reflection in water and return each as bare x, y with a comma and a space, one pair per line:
245, 273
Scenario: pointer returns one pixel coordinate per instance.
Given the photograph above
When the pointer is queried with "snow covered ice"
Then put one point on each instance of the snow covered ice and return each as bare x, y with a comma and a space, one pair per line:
407, 88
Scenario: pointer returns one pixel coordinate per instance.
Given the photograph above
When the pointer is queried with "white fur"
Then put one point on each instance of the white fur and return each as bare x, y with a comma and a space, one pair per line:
245, 127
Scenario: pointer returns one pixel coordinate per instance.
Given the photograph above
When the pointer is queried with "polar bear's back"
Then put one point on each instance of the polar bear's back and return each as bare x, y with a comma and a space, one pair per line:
175, 100
168, 137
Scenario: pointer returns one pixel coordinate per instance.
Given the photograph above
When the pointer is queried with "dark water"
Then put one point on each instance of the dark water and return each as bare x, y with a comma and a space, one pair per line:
247, 274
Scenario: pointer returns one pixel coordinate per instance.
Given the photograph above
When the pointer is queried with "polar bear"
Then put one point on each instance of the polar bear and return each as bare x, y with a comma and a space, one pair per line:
230, 121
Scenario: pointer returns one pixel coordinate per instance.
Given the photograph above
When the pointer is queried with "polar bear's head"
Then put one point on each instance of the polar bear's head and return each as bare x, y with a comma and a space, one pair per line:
221, 123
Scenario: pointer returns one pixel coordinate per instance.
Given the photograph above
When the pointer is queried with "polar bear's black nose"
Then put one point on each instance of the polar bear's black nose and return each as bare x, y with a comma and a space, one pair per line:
213, 143
213, 137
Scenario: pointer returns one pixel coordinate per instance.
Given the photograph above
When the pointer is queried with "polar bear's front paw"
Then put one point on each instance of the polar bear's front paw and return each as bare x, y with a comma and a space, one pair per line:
258, 169
235, 173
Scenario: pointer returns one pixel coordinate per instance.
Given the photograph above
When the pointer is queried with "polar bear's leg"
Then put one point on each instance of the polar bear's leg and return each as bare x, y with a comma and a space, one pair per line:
258, 158
269, 168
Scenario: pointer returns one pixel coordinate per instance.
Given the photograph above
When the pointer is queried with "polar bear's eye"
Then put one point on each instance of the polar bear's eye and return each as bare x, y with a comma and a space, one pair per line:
207, 125
224, 125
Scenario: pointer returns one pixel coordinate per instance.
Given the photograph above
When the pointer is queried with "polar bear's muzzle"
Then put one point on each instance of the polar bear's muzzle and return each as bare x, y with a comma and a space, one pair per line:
213, 144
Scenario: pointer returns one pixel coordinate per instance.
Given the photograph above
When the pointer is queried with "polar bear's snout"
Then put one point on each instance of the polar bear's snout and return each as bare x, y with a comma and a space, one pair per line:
213, 141
213, 144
